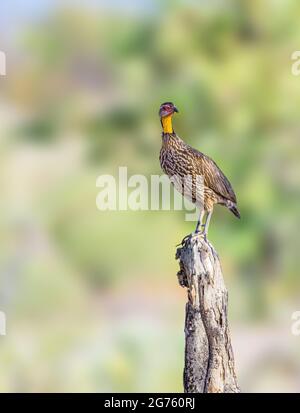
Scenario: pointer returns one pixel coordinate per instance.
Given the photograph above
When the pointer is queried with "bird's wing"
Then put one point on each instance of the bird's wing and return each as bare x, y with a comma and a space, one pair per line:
212, 175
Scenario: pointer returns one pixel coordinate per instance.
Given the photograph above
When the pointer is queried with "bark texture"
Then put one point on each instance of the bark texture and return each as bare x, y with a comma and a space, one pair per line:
209, 361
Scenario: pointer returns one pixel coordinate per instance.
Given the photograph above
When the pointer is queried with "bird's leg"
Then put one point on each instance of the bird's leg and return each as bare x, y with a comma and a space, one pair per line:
199, 223
209, 214
205, 230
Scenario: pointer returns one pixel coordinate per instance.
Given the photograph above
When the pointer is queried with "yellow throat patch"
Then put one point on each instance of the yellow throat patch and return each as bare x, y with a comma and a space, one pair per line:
167, 124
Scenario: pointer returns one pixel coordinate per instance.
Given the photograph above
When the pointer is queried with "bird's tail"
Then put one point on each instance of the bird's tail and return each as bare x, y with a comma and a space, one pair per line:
233, 208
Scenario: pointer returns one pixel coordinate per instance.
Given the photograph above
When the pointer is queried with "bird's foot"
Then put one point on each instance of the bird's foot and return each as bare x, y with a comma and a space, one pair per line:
194, 234
183, 240
202, 232
189, 236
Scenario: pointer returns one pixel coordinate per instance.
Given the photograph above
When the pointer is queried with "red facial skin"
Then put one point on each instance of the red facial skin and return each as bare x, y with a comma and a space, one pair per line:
166, 109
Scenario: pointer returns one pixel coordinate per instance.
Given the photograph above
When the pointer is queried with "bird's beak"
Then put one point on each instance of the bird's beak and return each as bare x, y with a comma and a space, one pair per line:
175, 109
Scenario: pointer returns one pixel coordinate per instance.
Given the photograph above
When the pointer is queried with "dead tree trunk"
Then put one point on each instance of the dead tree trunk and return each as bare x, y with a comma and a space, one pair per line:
209, 362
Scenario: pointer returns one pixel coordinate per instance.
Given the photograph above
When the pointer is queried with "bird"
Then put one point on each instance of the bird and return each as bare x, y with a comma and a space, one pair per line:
195, 175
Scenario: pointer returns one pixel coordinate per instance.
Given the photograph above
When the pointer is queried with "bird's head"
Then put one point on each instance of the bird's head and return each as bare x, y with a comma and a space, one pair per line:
166, 111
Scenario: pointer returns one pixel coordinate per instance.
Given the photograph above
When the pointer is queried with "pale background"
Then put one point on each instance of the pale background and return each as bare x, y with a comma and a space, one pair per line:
91, 298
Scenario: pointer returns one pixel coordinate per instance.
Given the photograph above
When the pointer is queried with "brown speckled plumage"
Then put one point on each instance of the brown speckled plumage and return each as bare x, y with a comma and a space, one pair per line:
179, 159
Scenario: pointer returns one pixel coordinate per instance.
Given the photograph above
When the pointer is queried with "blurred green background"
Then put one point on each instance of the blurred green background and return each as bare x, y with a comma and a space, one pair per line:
91, 298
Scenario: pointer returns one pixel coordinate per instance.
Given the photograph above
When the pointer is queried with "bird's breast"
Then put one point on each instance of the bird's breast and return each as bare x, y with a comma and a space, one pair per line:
175, 162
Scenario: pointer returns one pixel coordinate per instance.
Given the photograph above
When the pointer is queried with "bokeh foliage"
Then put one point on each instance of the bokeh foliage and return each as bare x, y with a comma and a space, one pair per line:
91, 296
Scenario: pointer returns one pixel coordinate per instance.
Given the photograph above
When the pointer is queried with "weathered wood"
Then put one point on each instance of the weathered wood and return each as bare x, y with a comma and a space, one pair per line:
209, 361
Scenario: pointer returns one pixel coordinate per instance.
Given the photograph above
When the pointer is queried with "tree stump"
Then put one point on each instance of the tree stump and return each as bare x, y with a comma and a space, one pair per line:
209, 361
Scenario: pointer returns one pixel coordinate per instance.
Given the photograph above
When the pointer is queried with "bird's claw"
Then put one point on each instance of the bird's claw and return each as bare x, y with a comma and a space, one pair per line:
200, 233
183, 241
